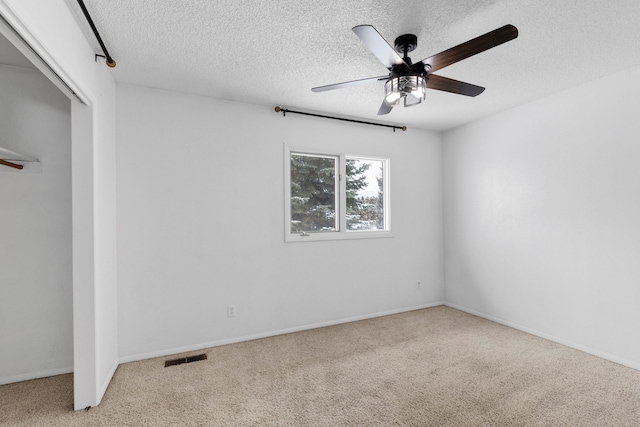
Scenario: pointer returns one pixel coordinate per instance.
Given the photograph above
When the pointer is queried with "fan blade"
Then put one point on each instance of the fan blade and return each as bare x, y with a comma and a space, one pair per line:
467, 49
454, 86
384, 109
378, 46
360, 82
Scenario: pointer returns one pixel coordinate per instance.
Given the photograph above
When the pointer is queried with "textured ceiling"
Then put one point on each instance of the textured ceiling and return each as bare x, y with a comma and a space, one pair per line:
273, 52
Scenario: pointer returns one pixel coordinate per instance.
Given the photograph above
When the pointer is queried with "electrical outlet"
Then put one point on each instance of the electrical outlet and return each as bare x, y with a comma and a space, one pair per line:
231, 311
418, 284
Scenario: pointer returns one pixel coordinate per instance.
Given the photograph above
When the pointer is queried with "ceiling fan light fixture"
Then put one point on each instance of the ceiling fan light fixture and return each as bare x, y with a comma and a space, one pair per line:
420, 91
401, 86
407, 79
392, 99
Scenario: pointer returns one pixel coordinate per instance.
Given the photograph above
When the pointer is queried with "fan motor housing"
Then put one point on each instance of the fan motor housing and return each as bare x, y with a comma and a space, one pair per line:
406, 43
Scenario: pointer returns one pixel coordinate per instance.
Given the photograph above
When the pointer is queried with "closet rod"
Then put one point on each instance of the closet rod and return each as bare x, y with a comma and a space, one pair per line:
11, 164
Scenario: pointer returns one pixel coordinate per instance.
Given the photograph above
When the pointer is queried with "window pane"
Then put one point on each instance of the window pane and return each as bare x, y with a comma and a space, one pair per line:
365, 194
313, 193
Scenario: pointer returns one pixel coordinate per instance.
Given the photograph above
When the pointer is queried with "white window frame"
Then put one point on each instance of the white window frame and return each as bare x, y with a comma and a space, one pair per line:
342, 233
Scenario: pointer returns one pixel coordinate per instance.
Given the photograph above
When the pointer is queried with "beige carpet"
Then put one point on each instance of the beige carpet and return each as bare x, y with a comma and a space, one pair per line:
433, 367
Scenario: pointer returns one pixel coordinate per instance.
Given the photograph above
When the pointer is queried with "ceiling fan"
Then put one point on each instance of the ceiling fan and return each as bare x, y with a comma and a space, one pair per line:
409, 81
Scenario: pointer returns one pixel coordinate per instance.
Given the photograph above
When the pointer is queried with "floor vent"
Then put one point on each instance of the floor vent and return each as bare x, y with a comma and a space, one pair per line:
185, 360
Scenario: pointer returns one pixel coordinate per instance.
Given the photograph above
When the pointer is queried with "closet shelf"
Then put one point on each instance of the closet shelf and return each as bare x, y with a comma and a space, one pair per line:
15, 160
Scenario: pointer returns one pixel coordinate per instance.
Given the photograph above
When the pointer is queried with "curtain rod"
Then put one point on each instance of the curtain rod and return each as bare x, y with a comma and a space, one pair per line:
109, 60
284, 111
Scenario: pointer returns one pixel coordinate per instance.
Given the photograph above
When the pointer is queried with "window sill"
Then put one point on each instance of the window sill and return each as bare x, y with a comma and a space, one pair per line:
352, 235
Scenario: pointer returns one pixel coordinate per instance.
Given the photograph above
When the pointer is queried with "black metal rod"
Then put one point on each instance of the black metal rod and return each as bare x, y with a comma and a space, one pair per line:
110, 61
284, 111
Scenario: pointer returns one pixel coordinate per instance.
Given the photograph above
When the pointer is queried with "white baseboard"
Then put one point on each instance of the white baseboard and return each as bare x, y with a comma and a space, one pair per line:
35, 375
195, 347
584, 348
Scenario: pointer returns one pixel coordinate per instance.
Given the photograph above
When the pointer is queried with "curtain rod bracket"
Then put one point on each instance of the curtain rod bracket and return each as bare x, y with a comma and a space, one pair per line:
285, 111
109, 61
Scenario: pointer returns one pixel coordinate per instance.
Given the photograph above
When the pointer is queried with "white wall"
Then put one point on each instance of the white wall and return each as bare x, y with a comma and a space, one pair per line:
542, 206
200, 225
36, 327
51, 29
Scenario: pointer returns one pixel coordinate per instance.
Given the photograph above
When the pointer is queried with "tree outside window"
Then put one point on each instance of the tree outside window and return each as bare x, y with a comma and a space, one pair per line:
315, 194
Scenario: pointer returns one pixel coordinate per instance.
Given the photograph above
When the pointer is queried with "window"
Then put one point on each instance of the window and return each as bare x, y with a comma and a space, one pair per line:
365, 194
314, 193
335, 196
